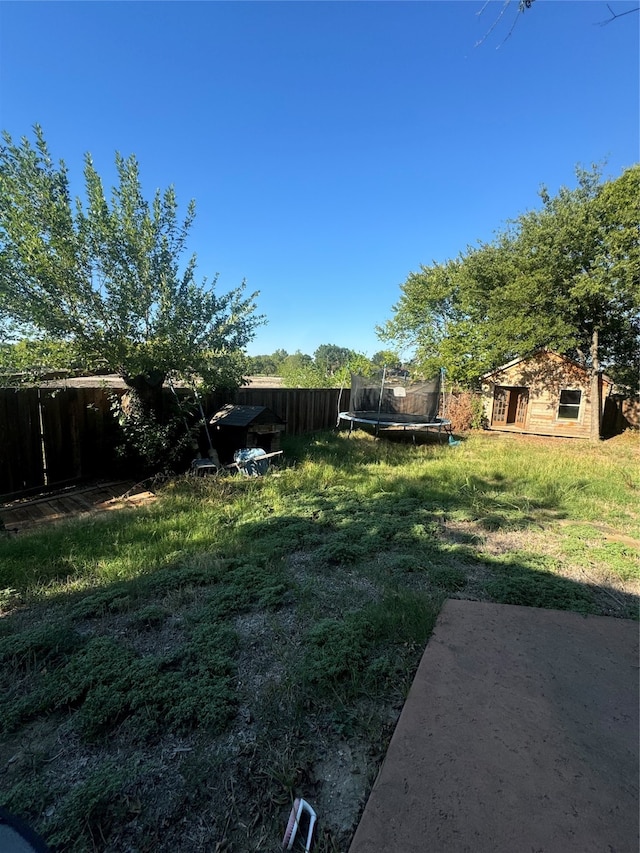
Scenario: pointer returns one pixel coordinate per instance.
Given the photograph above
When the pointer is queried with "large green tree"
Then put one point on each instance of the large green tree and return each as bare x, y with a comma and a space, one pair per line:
331, 367
386, 358
299, 371
105, 276
267, 365
30, 360
565, 275
329, 358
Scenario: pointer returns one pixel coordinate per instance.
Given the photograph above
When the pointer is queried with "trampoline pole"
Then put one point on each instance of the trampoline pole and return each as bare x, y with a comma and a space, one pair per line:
384, 376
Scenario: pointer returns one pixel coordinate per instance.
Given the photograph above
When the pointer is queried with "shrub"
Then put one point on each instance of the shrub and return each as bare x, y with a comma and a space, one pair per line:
464, 410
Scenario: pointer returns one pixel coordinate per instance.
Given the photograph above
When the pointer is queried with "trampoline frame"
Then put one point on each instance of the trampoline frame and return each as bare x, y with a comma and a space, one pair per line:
381, 422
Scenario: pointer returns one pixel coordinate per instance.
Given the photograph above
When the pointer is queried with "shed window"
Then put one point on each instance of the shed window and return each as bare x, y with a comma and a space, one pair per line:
569, 407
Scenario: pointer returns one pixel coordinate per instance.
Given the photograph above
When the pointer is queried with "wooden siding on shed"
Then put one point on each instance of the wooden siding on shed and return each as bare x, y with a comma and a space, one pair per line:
545, 375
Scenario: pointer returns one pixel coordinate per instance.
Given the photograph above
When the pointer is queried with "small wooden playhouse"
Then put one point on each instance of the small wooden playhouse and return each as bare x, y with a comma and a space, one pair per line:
543, 394
237, 427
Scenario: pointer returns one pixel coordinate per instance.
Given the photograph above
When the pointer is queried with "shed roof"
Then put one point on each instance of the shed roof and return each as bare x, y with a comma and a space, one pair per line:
242, 416
536, 354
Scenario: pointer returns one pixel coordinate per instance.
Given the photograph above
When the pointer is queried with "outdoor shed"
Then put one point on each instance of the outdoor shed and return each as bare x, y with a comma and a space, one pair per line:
237, 427
543, 394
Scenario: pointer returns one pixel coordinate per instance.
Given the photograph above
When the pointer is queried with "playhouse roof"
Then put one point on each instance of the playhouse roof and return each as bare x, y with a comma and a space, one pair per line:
243, 416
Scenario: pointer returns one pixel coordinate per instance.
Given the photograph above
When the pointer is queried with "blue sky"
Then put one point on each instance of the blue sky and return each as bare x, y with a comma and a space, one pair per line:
331, 147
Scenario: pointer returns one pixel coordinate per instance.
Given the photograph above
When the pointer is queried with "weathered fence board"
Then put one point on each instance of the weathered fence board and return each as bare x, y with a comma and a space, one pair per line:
80, 433
21, 463
303, 409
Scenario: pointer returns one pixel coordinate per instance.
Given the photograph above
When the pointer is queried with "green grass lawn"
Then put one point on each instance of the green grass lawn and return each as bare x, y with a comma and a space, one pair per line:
172, 676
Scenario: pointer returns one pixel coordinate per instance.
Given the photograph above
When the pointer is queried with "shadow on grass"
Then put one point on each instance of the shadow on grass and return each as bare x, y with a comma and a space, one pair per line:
347, 544
360, 506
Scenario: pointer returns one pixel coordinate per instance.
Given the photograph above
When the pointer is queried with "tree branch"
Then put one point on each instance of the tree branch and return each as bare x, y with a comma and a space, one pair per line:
614, 16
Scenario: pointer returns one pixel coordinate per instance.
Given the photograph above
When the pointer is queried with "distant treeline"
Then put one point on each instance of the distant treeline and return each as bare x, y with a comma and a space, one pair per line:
330, 366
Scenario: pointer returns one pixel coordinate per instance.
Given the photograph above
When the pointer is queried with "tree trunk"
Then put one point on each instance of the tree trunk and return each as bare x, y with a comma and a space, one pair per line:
596, 389
144, 395
148, 436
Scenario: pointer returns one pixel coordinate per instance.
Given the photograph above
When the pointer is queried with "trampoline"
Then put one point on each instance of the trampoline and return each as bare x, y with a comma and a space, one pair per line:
391, 402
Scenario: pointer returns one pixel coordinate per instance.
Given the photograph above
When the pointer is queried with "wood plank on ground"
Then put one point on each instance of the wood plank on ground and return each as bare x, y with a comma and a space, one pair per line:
27, 514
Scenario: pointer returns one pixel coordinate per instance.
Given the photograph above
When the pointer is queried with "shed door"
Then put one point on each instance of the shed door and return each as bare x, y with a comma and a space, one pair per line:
518, 402
500, 405
510, 406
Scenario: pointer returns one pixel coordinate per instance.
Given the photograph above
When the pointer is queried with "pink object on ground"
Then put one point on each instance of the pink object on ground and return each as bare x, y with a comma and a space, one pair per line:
293, 824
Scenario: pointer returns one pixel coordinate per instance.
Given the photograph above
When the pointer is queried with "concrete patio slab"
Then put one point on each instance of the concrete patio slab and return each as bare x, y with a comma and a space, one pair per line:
519, 734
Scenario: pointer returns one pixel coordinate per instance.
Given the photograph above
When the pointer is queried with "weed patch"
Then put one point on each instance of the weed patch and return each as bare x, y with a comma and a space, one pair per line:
448, 578
96, 804
359, 653
105, 683
530, 588
39, 647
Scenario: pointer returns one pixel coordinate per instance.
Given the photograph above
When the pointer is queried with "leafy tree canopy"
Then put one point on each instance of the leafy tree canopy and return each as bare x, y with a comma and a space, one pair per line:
564, 276
267, 365
357, 363
386, 358
329, 358
299, 371
330, 367
31, 359
104, 276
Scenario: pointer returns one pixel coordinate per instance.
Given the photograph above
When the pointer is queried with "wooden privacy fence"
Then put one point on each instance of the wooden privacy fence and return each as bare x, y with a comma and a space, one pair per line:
303, 409
53, 436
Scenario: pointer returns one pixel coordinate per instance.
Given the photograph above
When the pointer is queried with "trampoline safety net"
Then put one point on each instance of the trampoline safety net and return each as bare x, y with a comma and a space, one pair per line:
391, 397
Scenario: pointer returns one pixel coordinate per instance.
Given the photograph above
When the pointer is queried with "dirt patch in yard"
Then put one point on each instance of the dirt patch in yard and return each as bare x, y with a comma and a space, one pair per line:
614, 595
